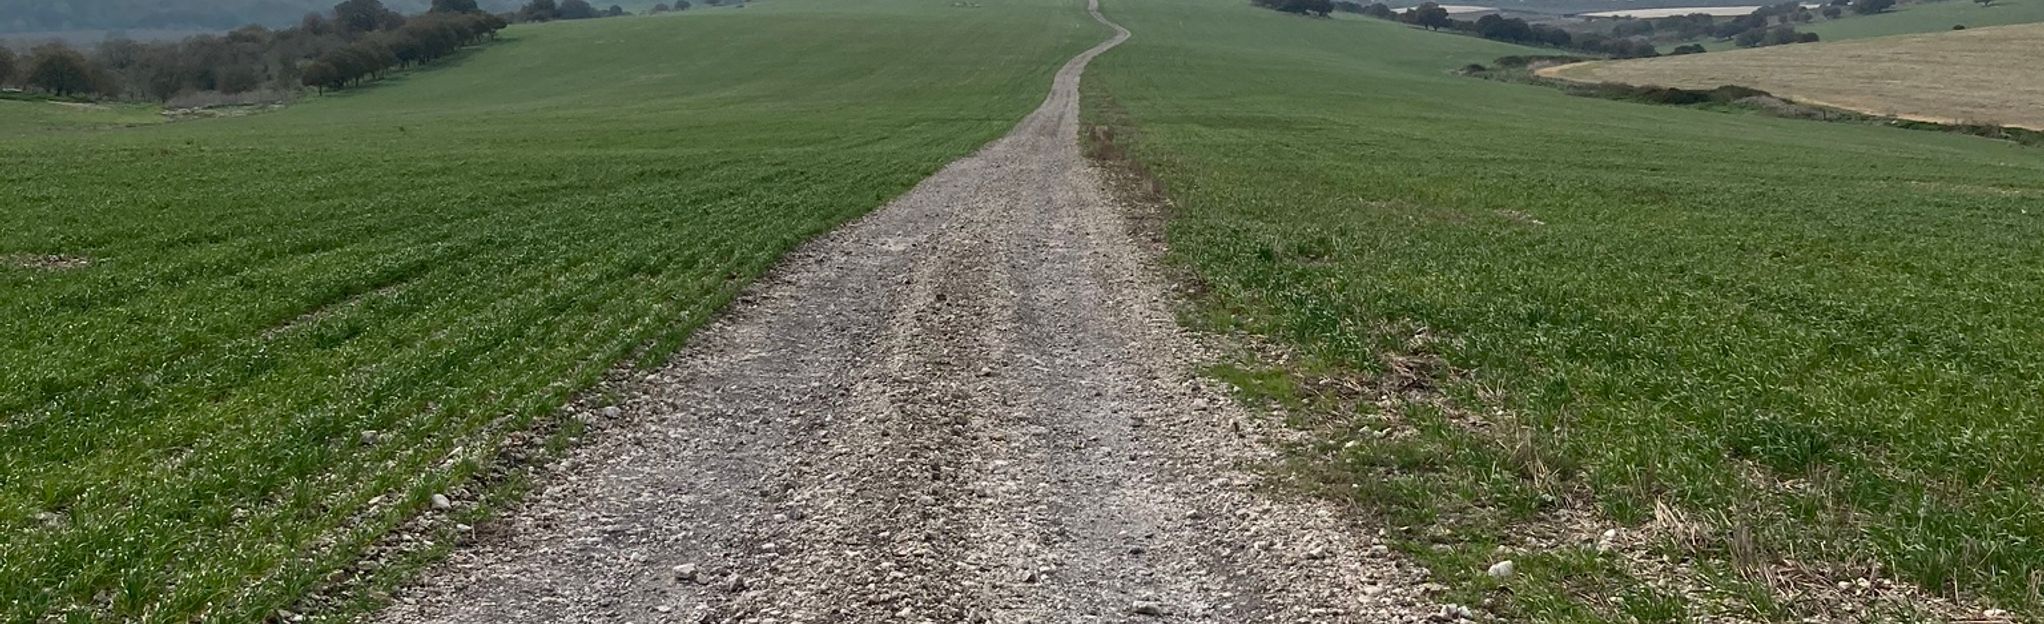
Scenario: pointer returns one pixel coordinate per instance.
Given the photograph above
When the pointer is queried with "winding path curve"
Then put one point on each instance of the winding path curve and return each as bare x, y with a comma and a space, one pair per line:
972, 405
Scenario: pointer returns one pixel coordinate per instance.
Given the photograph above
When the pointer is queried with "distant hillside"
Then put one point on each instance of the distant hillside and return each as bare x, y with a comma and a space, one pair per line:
34, 16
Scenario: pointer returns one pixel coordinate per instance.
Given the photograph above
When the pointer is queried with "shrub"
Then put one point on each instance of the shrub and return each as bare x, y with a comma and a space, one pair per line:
1686, 49
1518, 61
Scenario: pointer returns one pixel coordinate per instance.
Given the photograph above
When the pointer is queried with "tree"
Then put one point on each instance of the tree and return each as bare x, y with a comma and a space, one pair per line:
1553, 36
1429, 16
322, 75
364, 16
454, 6
682, 5
614, 11
581, 9
1832, 11
315, 24
1501, 28
539, 11
662, 8
1781, 35
1686, 49
6, 66
57, 68
1870, 7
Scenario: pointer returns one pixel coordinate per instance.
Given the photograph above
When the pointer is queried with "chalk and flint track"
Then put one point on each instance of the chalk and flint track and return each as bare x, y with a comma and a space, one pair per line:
972, 405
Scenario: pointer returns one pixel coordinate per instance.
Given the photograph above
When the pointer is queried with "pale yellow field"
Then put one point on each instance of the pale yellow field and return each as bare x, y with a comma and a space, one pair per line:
1674, 11
1983, 75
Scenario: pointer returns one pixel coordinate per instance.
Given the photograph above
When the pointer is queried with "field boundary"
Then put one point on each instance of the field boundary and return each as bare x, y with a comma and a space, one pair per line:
1773, 104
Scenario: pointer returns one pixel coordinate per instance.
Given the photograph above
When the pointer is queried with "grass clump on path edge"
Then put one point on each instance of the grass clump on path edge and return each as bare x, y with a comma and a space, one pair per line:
1775, 356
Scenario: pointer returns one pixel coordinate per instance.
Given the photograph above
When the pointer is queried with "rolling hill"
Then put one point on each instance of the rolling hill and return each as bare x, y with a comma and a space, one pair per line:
39, 16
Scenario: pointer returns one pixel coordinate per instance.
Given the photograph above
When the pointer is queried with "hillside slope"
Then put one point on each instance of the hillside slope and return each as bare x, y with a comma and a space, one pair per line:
1927, 17
73, 15
235, 351
1520, 318
1961, 76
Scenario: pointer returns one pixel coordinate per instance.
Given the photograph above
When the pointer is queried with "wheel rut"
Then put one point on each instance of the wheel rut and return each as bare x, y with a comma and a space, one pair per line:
972, 405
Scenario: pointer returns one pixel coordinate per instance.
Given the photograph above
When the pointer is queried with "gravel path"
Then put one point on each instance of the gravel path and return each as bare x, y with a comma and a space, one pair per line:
972, 405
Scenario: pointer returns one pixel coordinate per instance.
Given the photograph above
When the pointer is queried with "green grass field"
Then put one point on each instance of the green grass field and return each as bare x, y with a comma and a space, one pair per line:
1930, 17
1922, 17
443, 258
1821, 335
22, 116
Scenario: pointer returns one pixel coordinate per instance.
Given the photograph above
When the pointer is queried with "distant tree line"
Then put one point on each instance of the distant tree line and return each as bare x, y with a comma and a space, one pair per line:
38, 16
1433, 16
549, 10
393, 42
1302, 7
1767, 25
359, 40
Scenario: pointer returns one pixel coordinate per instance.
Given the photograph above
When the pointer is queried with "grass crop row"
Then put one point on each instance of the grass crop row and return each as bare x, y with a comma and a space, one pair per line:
443, 259
1816, 338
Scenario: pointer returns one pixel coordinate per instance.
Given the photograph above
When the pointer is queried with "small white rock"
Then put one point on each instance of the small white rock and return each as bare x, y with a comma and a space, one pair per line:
1502, 569
441, 502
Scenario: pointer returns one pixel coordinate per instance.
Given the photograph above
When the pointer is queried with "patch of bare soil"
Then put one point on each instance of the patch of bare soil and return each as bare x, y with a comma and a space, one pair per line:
49, 262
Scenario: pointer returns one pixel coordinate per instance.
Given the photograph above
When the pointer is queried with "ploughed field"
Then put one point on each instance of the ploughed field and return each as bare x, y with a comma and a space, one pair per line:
233, 352
1964, 76
1789, 348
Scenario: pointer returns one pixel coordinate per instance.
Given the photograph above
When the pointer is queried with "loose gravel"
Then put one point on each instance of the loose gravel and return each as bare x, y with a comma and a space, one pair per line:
972, 405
